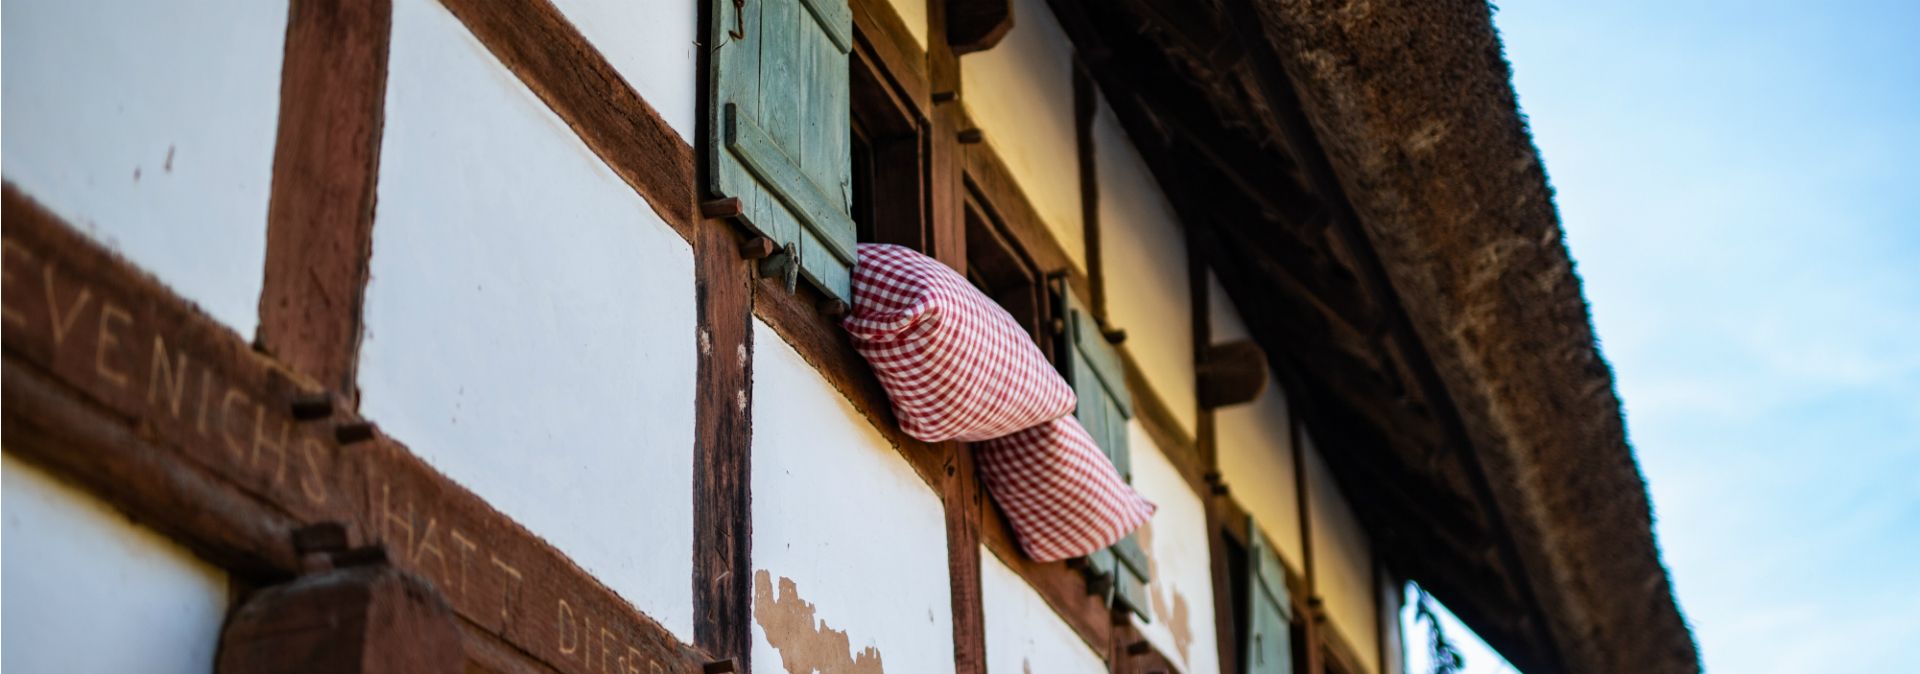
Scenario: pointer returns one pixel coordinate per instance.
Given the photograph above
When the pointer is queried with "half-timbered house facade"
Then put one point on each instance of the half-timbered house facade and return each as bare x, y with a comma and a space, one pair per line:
522, 317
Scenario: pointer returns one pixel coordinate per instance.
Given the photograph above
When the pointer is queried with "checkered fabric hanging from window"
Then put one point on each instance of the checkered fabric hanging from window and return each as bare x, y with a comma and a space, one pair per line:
955, 364
1060, 493
958, 367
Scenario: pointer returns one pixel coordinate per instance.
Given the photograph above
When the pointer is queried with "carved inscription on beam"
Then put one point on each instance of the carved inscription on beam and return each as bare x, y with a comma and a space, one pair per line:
87, 335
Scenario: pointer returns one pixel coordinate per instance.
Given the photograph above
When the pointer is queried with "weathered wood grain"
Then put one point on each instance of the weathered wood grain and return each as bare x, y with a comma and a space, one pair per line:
723, 442
366, 619
326, 163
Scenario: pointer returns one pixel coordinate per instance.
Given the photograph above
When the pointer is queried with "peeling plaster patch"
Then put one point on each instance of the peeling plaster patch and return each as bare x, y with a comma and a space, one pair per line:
806, 645
1178, 618
1175, 612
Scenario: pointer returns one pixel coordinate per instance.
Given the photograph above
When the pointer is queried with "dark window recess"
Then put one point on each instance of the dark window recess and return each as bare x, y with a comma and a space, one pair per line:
1001, 270
889, 196
863, 215
780, 136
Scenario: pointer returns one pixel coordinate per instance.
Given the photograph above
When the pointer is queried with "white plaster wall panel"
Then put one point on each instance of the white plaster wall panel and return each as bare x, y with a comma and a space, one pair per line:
1024, 635
1343, 562
848, 541
530, 321
1020, 95
1255, 442
1181, 558
89, 591
652, 44
1143, 254
150, 125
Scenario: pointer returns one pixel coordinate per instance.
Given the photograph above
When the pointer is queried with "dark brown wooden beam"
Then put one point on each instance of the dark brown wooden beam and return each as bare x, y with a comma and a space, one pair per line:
1231, 373
976, 25
961, 492
326, 163
365, 619
1085, 107
881, 36
723, 442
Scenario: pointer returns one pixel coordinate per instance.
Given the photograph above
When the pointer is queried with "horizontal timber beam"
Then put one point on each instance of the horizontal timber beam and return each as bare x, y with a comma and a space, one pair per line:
116, 383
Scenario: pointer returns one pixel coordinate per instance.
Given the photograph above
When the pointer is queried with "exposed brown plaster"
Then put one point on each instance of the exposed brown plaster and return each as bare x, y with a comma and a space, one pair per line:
806, 645
1169, 604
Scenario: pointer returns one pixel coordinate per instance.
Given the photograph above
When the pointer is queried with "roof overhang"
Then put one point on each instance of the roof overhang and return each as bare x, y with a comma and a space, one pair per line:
1360, 173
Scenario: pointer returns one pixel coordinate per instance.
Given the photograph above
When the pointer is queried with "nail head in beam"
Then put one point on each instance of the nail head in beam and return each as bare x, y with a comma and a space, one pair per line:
944, 96
728, 207
758, 248
970, 136
719, 667
353, 432
311, 406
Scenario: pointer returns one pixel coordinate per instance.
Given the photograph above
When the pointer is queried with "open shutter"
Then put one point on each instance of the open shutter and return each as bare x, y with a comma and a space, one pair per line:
1269, 611
780, 131
1093, 368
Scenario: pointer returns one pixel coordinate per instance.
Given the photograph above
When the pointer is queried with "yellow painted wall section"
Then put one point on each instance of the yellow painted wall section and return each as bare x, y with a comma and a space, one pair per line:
1144, 258
1181, 561
914, 14
1255, 443
1343, 562
1020, 95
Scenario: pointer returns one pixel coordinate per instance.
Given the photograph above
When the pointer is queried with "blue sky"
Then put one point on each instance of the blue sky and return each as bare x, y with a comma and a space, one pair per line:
1740, 184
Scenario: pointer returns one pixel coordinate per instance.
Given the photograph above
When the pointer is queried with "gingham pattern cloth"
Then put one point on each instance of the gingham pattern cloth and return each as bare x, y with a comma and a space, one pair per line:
1061, 494
955, 364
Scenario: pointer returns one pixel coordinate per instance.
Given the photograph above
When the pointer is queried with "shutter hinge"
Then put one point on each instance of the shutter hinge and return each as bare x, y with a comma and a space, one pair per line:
784, 264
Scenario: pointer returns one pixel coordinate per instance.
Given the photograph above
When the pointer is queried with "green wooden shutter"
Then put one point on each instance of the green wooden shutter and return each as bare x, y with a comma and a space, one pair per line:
1093, 368
1131, 578
779, 128
1269, 611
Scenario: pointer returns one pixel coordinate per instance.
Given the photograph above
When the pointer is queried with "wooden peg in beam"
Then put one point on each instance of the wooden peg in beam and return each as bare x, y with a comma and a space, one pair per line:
1231, 373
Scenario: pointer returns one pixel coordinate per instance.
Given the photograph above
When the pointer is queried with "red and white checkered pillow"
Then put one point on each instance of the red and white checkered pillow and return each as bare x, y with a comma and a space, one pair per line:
955, 364
1061, 494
